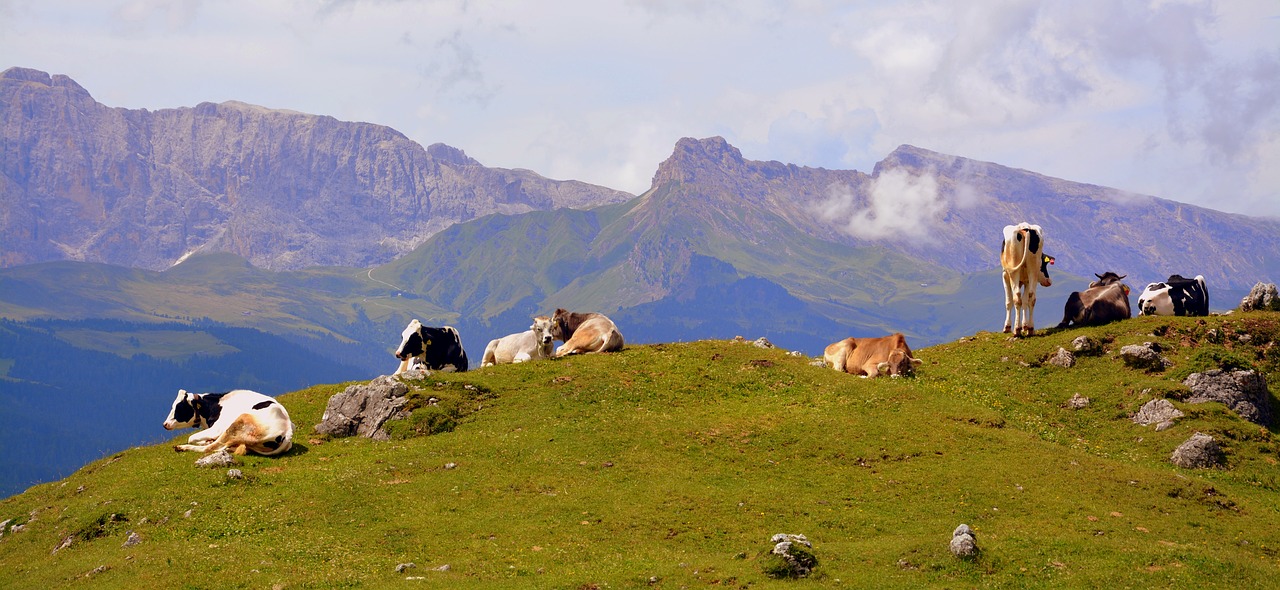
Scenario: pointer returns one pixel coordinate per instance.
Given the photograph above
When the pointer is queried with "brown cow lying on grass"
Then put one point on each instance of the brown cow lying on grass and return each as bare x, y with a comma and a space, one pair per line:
584, 333
870, 357
1106, 300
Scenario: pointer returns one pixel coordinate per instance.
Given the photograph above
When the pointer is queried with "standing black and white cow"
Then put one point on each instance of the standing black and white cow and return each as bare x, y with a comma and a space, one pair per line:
1175, 296
239, 420
434, 347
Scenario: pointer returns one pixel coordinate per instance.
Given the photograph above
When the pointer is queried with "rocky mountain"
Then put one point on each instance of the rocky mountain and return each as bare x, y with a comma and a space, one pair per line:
911, 247
949, 211
285, 190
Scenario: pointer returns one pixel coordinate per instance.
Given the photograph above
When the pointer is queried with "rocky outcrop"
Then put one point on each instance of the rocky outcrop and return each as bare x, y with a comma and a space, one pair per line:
1199, 452
362, 410
791, 557
964, 543
1160, 412
1062, 358
1145, 356
83, 181
1263, 296
1243, 392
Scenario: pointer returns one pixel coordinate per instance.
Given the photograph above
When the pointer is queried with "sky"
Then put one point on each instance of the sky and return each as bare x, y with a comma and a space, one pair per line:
1178, 99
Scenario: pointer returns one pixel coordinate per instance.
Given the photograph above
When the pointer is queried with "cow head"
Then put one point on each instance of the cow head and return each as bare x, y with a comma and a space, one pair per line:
185, 412
542, 331
899, 364
1045, 261
560, 328
1108, 278
411, 343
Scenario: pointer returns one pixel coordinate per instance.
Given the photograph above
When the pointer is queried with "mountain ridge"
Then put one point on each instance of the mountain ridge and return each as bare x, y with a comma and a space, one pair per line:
286, 190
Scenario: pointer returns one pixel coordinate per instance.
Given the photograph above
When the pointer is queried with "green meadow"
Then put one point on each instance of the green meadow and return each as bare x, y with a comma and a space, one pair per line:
672, 465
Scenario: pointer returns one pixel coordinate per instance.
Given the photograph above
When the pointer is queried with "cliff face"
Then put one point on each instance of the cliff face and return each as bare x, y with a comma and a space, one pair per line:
82, 181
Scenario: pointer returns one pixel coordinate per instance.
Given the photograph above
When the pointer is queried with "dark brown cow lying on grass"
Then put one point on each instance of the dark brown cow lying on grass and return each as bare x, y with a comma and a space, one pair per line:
584, 332
1106, 300
870, 357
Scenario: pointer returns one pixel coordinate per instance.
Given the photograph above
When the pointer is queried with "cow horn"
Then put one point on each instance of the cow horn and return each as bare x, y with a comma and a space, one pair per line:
1099, 276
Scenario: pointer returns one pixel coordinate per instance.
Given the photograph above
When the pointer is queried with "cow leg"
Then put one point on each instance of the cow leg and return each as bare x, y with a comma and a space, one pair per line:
521, 357
205, 436
404, 366
1030, 302
1073, 311
1008, 303
243, 431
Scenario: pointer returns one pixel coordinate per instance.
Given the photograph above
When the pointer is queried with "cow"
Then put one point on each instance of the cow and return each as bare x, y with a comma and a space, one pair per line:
584, 333
870, 357
533, 344
1106, 300
436, 348
1175, 296
239, 420
1024, 264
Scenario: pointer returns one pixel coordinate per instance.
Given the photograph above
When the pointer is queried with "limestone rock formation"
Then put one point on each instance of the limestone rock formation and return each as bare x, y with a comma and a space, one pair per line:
83, 181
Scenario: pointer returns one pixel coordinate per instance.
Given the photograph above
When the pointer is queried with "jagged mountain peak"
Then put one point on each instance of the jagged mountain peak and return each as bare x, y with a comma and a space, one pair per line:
693, 158
451, 155
29, 75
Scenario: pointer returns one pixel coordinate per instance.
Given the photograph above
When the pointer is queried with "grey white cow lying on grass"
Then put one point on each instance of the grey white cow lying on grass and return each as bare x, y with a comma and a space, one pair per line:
533, 344
239, 421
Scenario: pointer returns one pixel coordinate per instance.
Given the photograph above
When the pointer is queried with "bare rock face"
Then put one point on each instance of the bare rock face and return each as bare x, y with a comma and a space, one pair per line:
1200, 451
791, 557
282, 189
363, 409
1063, 358
1243, 392
1078, 402
964, 543
1144, 356
1087, 346
1157, 411
1263, 296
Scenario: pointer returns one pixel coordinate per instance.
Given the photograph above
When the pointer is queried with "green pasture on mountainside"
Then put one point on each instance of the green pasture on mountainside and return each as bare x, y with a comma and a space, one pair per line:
671, 466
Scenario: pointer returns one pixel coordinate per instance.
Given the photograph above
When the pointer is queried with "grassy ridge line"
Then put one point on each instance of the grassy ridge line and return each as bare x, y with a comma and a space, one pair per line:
677, 462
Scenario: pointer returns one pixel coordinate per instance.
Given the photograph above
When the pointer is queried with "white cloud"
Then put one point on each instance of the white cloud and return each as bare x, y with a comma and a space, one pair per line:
897, 205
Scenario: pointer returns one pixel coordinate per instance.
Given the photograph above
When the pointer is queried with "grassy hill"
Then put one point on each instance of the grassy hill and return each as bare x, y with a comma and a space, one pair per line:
671, 465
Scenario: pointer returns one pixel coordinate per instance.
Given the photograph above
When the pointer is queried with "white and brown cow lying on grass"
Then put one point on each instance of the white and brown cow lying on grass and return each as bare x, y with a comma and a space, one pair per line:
533, 344
239, 421
584, 333
870, 357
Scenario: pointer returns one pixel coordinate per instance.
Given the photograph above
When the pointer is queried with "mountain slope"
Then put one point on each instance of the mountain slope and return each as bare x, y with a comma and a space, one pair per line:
285, 190
673, 465
1090, 229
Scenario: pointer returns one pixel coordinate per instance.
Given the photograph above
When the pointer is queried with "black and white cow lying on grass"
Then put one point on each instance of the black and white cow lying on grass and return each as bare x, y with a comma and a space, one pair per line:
1175, 296
239, 421
434, 347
